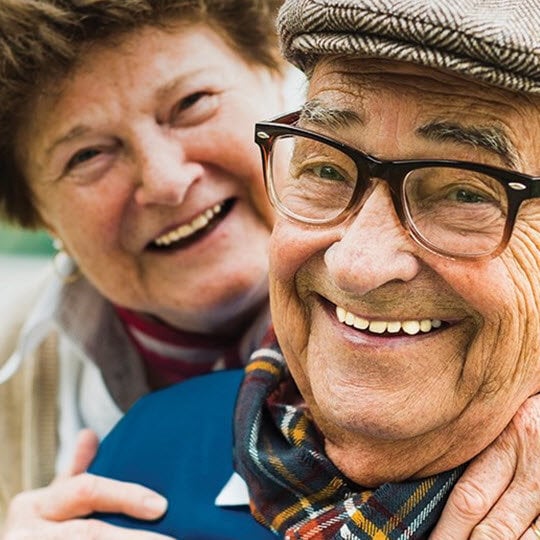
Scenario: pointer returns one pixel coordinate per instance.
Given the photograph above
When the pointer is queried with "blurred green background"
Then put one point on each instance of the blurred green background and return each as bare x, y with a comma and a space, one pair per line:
20, 242
23, 256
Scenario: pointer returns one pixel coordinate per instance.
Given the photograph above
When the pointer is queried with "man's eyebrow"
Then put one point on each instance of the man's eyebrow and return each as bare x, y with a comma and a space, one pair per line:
490, 138
325, 116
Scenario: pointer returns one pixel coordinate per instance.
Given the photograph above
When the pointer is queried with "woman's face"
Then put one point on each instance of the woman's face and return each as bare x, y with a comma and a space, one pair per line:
142, 162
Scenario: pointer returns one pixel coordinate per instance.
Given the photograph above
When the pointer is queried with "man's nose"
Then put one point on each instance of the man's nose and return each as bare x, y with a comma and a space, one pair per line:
374, 248
165, 172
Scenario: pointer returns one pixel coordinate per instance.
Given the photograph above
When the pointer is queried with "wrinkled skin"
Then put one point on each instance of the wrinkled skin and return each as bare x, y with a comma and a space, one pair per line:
509, 463
141, 148
393, 407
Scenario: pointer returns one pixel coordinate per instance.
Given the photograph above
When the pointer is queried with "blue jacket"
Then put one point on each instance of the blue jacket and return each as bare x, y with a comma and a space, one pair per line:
178, 442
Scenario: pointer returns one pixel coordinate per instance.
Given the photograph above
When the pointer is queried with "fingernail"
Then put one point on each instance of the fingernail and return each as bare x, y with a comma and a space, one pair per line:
155, 504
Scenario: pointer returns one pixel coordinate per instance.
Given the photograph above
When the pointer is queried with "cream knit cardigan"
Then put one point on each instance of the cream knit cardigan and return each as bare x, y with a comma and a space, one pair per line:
27, 408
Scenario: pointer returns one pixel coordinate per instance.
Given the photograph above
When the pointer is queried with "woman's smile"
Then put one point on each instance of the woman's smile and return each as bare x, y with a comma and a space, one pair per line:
191, 232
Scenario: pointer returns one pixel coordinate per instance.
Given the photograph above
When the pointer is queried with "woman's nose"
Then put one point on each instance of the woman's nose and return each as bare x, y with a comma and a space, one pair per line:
374, 248
165, 173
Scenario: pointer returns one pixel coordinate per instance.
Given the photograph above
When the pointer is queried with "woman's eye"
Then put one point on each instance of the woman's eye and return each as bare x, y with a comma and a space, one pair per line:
189, 101
82, 156
194, 108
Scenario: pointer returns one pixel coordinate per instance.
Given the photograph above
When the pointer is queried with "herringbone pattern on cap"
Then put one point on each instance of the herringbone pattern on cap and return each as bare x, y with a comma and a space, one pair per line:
494, 41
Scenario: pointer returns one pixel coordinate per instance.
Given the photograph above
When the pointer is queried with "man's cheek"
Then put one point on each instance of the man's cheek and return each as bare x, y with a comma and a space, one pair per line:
292, 245
291, 322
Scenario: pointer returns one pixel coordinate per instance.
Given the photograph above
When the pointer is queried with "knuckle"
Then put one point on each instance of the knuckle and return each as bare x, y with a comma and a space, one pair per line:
531, 485
493, 530
469, 500
527, 420
86, 487
21, 501
22, 509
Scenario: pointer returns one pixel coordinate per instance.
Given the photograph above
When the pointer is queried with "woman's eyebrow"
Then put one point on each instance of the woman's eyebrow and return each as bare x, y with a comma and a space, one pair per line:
178, 81
490, 138
73, 133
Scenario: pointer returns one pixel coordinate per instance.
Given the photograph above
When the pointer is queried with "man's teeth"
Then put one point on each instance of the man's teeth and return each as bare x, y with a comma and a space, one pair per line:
411, 327
200, 222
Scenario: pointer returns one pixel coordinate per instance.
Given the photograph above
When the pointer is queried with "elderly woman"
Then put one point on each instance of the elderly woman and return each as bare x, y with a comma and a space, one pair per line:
404, 287
126, 132
129, 129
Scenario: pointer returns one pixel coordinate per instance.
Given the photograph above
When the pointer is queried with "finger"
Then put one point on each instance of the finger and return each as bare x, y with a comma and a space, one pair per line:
85, 494
519, 505
499, 523
479, 488
92, 529
533, 532
85, 451
492, 473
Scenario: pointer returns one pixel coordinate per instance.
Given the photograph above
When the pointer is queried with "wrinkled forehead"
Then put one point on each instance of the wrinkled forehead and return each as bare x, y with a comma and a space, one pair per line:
355, 76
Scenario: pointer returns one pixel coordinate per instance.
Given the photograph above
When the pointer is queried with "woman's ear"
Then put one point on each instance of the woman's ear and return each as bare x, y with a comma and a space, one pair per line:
47, 227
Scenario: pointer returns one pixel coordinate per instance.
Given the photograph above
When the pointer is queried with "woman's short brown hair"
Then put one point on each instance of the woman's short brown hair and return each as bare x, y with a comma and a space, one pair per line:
41, 41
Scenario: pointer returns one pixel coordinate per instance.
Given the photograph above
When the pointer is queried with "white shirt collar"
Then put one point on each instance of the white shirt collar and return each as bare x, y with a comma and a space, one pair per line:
234, 493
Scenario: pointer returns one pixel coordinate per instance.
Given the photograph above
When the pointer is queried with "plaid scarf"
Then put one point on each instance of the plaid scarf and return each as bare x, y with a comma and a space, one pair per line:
296, 491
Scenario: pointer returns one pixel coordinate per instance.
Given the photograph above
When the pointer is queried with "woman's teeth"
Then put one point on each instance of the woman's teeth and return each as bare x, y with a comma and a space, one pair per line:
411, 327
186, 230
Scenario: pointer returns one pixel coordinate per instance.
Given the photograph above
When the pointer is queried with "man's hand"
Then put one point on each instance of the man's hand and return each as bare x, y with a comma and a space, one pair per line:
55, 512
498, 496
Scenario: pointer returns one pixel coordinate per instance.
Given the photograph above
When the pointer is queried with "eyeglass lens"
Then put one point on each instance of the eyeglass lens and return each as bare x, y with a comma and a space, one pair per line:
451, 210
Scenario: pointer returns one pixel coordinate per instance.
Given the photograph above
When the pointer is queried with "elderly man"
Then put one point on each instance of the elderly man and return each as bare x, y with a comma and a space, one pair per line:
405, 263
405, 280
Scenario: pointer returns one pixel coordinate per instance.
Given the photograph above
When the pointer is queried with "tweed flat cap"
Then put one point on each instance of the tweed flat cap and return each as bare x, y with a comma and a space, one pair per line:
494, 41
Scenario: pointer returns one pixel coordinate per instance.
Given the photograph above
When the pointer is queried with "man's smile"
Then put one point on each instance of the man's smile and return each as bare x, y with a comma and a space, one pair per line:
410, 326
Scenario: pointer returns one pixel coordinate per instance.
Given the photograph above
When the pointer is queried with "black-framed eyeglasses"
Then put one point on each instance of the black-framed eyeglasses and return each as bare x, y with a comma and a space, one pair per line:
457, 209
